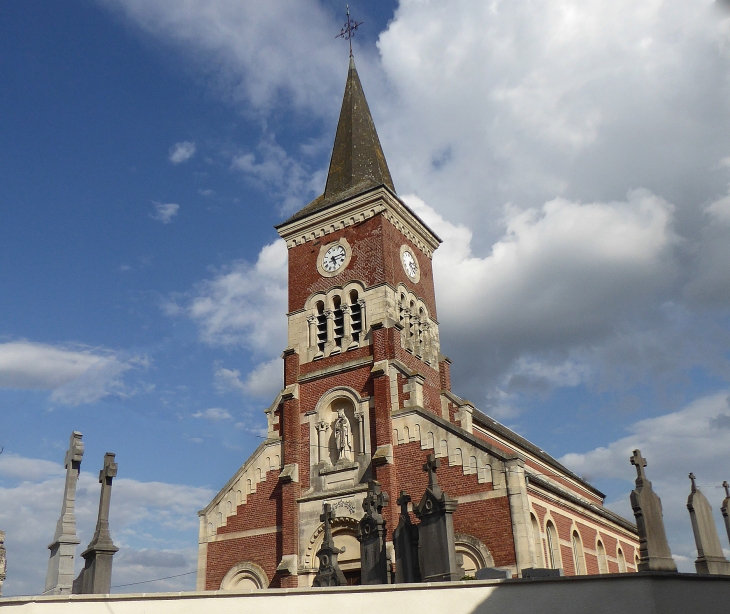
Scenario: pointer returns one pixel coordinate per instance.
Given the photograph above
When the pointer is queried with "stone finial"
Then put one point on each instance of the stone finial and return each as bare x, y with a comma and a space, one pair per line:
725, 509
59, 578
710, 559
653, 546
371, 531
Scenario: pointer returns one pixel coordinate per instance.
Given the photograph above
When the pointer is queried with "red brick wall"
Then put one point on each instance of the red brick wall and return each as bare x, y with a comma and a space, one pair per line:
262, 508
445, 374
264, 550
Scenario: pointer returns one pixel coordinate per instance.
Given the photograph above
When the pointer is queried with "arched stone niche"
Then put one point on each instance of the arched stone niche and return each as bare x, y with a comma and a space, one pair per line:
475, 554
331, 465
244, 576
344, 532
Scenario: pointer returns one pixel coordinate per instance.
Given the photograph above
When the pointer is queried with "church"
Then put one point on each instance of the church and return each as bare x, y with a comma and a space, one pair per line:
367, 396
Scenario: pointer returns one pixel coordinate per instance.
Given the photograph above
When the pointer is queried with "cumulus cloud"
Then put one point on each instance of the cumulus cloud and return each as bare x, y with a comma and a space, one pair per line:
74, 375
164, 212
691, 439
243, 305
153, 523
213, 414
264, 381
182, 152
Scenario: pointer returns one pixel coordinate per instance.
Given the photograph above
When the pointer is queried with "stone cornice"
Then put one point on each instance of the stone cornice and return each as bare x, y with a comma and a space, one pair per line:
352, 211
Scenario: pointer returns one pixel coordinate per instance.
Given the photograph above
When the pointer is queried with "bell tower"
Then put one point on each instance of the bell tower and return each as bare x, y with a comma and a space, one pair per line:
363, 336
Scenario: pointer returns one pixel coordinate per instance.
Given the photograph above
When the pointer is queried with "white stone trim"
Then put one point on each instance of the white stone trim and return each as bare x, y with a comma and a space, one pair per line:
248, 570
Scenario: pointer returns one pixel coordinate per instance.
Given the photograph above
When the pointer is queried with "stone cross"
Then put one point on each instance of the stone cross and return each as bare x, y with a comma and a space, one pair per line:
3, 561
654, 550
725, 509
96, 576
371, 533
329, 573
436, 545
59, 579
405, 542
710, 559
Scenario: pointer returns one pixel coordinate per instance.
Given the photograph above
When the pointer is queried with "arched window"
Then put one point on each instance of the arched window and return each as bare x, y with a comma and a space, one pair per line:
321, 326
538, 541
602, 561
636, 561
355, 316
552, 545
621, 561
578, 564
339, 328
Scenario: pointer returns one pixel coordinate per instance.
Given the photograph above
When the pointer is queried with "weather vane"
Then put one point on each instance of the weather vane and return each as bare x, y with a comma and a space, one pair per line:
349, 29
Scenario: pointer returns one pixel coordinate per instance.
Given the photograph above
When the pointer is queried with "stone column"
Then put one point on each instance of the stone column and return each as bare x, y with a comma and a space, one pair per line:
360, 417
710, 558
96, 576
405, 541
654, 553
322, 448
364, 328
436, 543
60, 576
329, 345
347, 332
725, 509
3, 561
312, 327
519, 508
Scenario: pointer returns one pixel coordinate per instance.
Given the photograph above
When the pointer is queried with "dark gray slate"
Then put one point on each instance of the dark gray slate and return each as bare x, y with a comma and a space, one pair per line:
710, 559
405, 541
654, 553
96, 576
725, 509
542, 572
371, 535
493, 573
436, 546
329, 573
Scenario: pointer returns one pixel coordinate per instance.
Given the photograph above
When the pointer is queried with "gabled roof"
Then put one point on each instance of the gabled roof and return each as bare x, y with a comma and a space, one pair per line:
358, 163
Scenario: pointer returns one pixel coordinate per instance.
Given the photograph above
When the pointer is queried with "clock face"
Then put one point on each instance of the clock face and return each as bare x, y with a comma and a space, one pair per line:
333, 258
409, 264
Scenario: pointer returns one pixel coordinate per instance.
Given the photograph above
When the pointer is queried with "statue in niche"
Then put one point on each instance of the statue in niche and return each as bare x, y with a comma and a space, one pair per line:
343, 438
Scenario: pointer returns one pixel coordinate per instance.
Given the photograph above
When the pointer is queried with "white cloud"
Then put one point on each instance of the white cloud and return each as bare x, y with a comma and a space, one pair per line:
264, 381
164, 212
182, 152
75, 376
243, 305
153, 523
694, 438
213, 414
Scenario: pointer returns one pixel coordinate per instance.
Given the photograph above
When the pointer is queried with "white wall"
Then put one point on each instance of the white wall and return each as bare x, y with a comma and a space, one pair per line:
614, 594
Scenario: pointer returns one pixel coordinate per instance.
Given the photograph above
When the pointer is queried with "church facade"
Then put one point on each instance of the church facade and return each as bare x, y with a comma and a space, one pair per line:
367, 395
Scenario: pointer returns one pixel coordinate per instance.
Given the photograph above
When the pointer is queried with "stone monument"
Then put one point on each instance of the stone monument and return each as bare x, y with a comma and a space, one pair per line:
371, 535
96, 576
3, 561
405, 541
725, 509
60, 576
329, 573
654, 553
710, 559
436, 545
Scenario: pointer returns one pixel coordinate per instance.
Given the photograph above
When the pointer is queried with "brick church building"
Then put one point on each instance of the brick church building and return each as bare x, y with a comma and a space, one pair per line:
367, 395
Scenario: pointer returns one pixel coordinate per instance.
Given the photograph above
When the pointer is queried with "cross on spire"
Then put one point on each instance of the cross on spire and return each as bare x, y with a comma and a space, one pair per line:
431, 465
726, 486
693, 478
639, 462
349, 29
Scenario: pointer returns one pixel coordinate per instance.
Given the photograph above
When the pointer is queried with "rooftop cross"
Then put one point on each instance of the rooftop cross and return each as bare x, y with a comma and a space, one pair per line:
349, 29
693, 478
726, 486
639, 462
431, 465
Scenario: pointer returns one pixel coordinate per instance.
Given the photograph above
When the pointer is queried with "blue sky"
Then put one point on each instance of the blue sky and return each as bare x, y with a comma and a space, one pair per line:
573, 155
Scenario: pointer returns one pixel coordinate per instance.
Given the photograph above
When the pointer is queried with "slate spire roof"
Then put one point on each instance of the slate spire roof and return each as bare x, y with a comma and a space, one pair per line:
358, 163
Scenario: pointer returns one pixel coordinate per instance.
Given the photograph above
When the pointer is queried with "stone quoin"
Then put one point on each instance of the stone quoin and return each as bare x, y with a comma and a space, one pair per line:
367, 397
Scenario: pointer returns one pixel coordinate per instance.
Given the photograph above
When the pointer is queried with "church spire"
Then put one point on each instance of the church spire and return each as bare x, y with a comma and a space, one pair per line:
357, 157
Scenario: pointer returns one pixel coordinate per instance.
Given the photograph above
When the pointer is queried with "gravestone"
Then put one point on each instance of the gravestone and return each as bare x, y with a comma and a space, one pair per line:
492, 573
3, 561
60, 576
725, 509
371, 535
405, 542
710, 559
654, 553
329, 573
96, 576
436, 546
542, 572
